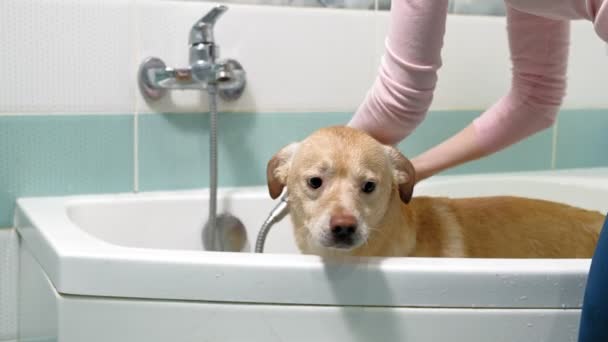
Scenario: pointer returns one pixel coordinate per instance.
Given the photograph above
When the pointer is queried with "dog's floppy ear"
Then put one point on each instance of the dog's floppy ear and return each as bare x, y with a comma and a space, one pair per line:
403, 173
278, 168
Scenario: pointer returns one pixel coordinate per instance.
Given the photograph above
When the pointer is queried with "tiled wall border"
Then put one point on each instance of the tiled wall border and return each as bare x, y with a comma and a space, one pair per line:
71, 154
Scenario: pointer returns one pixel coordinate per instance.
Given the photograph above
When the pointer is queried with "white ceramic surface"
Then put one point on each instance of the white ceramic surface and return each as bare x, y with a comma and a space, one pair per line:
8, 284
47, 316
148, 246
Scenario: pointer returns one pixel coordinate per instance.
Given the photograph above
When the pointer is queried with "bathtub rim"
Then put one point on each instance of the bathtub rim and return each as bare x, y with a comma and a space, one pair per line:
98, 268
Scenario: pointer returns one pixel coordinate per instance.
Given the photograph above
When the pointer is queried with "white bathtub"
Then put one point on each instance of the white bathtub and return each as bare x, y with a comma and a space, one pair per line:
130, 267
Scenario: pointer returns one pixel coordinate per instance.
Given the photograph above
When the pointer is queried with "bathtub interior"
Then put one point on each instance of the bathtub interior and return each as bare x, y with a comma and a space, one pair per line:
174, 221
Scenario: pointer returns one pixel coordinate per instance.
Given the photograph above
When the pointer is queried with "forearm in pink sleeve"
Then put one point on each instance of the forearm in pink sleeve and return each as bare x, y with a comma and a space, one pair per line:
539, 53
402, 93
595, 11
601, 20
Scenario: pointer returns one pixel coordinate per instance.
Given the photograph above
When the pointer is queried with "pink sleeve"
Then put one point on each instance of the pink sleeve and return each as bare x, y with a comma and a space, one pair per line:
539, 53
601, 20
402, 93
595, 11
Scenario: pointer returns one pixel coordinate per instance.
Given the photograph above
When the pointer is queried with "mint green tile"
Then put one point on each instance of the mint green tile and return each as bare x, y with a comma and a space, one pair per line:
55, 155
437, 126
256, 138
533, 153
582, 138
63, 154
174, 148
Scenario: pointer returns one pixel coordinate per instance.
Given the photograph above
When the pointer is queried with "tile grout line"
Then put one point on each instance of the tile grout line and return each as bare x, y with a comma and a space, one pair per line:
135, 152
136, 108
376, 14
554, 145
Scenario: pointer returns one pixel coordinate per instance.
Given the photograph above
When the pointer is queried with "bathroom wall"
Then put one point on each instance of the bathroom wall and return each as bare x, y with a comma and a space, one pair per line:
72, 119
471, 7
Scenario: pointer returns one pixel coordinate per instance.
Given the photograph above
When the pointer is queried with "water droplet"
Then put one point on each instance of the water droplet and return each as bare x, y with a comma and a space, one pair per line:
530, 325
523, 298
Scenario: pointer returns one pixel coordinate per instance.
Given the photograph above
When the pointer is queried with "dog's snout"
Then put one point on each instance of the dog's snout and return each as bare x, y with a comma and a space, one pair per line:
343, 226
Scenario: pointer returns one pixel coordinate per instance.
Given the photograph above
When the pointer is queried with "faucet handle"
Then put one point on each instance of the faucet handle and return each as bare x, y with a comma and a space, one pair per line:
202, 30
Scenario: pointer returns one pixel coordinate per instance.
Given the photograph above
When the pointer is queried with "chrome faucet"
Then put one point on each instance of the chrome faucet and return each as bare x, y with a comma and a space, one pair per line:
225, 78
206, 71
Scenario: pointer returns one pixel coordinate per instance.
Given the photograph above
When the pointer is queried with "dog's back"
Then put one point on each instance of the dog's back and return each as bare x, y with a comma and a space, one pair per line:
351, 195
504, 227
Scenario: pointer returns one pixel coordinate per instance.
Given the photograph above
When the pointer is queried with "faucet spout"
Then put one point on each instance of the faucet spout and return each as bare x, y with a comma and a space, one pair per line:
202, 30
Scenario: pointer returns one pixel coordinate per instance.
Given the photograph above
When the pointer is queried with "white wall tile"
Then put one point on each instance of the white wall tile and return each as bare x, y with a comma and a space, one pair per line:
70, 56
473, 74
587, 69
66, 56
352, 4
8, 284
476, 69
296, 59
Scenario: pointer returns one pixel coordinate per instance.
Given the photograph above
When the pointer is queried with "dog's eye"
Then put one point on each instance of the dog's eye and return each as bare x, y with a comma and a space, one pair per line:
315, 182
368, 187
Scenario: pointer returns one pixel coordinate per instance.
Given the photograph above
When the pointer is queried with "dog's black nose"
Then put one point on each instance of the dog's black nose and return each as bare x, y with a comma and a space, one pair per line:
343, 227
343, 232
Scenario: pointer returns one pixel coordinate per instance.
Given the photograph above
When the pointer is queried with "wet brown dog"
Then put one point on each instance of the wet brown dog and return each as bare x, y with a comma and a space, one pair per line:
351, 195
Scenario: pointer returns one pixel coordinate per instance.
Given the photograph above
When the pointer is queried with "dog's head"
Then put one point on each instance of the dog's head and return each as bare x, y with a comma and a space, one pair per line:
340, 182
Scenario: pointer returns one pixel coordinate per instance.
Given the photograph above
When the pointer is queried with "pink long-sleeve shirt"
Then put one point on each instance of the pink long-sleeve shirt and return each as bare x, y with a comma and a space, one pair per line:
538, 32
